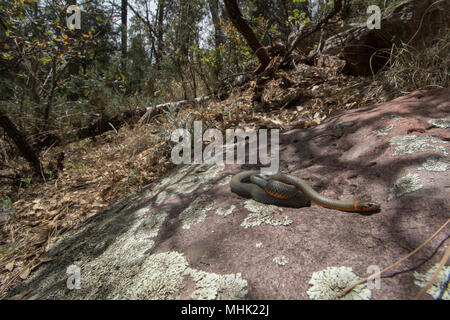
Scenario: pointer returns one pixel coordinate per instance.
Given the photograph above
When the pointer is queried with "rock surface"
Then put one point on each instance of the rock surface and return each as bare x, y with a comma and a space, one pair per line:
189, 237
409, 22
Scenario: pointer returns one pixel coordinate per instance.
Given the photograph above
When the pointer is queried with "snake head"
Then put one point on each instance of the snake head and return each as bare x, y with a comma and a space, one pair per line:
368, 206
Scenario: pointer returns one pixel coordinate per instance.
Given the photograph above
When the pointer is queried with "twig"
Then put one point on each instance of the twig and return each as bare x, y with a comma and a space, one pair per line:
436, 273
351, 287
419, 264
113, 127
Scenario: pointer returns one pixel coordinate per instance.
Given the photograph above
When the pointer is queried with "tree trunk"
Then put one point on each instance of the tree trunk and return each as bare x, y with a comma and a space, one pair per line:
25, 149
241, 25
50, 98
159, 35
124, 14
219, 39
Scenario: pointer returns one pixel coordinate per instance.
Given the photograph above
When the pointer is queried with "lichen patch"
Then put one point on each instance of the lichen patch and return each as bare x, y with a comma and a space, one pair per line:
118, 257
437, 164
327, 283
280, 260
186, 180
406, 184
383, 131
225, 211
225, 181
161, 277
412, 144
214, 286
443, 123
263, 213
195, 212
150, 225
440, 288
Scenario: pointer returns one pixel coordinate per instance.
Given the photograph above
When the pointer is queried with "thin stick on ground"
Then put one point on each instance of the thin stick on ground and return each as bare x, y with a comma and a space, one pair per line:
351, 287
435, 274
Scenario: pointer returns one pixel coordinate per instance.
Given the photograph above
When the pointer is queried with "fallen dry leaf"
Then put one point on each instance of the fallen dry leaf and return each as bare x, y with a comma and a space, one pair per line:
24, 274
10, 266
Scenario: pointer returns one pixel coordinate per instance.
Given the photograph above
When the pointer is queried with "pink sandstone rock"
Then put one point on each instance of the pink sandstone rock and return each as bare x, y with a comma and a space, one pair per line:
394, 153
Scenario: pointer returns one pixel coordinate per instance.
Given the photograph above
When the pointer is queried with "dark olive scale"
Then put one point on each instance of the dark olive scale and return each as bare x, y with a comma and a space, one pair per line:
275, 188
242, 185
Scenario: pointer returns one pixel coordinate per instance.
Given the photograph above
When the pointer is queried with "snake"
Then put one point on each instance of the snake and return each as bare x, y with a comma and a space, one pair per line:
287, 190
247, 184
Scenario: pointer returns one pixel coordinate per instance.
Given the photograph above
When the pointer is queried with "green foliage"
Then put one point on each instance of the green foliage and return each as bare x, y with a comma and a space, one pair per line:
50, 174
122, 148
38, 56
80, 167
88, 142
6, 202
27, 180
299, 18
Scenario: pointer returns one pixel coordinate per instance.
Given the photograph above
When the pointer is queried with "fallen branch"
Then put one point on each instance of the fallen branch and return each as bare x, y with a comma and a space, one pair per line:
351, 287
436, 273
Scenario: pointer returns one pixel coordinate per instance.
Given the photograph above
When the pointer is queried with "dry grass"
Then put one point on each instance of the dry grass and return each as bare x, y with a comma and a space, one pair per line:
409, 69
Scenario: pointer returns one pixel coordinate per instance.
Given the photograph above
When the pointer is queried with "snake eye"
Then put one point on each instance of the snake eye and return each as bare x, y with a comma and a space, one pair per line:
371, 206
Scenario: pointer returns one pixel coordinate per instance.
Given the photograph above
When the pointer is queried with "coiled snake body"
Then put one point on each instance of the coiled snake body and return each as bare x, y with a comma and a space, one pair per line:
290, 191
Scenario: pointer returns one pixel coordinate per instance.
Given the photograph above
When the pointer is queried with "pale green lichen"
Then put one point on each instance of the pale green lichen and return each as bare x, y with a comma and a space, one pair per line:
113, 257
406, 184
440, 123
136, 239
195, 212
225, 181
413, 144
186, 180
438, 164
383, 131
225, 211
280, 260
161, 197
161, 278
210, 286
263, 213
328, 283
150, 224
164, 277
207, 187
440, 289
